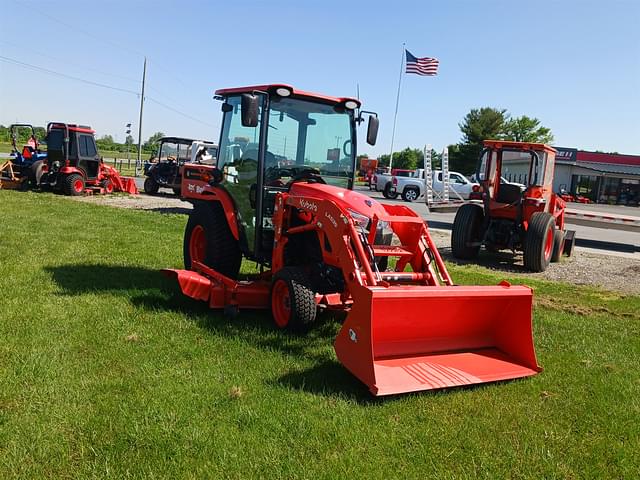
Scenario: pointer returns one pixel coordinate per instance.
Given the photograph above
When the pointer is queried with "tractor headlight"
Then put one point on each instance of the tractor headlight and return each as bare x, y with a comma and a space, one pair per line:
56, 166
359, 220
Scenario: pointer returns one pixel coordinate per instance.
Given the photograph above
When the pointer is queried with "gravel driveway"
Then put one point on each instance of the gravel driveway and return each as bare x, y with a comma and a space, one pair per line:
609, 271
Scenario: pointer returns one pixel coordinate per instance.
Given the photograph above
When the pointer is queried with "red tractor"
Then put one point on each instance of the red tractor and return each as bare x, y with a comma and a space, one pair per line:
286, 201
529, 218
74, 166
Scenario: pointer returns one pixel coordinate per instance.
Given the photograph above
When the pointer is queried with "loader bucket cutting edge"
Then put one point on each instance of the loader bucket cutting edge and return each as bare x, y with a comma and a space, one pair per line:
405, 339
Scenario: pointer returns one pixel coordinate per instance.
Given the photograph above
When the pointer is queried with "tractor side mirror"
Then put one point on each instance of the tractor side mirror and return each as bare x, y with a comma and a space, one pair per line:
249, 109
372, 129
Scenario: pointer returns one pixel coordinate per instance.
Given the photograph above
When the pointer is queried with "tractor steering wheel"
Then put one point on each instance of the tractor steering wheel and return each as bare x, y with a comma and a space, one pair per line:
312, 175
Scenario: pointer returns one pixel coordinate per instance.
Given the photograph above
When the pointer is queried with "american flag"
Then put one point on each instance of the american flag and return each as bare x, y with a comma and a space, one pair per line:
421, 66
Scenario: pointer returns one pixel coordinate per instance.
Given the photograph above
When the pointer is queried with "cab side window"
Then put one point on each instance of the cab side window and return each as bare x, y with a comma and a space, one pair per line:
87, 146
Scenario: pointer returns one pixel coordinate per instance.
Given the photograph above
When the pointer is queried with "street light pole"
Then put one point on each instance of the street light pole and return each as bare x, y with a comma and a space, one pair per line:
144, 76
127, 141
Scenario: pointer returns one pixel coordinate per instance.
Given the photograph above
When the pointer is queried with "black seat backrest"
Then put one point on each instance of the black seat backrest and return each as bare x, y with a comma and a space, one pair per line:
508, 193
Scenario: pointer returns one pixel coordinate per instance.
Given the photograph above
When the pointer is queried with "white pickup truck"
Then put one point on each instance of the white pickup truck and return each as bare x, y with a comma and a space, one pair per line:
381, 182
412, 188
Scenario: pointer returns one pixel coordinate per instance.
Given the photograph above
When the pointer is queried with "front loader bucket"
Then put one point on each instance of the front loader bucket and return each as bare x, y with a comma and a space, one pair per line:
409, 338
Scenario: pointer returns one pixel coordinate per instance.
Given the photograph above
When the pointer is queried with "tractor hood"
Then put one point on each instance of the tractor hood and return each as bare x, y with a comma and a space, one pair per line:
347, 199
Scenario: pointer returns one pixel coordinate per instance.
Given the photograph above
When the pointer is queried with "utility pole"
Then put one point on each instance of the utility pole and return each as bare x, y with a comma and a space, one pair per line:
144, 76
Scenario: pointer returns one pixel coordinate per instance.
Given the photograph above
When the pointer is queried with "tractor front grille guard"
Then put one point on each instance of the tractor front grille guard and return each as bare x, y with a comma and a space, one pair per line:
354, 247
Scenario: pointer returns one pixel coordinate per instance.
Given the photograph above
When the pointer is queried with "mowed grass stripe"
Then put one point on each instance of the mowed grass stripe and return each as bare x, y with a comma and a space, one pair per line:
107, 372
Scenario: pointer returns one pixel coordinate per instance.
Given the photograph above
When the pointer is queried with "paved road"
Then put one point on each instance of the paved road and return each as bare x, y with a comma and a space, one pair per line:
588, 237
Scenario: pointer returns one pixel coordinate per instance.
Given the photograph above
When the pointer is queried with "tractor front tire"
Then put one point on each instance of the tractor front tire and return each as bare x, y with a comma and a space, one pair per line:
539, 240
293, 303
107, 185
558, 245
150, 186
467, 227
73, 185
208, 240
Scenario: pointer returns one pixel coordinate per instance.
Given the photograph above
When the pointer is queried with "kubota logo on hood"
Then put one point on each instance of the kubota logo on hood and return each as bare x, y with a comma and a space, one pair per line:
307, 205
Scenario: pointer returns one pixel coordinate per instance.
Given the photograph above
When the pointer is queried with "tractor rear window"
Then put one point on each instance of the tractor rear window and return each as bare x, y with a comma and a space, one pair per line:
55, 139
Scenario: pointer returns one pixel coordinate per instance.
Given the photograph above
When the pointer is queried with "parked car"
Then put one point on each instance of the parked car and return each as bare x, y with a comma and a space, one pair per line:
412, 188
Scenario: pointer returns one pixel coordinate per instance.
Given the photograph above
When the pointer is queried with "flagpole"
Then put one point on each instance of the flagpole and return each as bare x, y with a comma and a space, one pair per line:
395, 116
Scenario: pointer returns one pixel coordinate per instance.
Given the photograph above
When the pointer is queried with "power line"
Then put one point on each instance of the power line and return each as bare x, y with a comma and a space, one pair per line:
102, 85
67, 62
179, 112
74, 28
64, 75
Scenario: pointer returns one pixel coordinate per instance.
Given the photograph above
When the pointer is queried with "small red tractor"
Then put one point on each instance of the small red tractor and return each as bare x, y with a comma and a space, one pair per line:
529, 218
74, 166
286, 202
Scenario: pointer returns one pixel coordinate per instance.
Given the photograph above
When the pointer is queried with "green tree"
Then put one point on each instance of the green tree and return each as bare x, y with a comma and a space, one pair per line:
409, 159
478, 125
151, 145
527, 129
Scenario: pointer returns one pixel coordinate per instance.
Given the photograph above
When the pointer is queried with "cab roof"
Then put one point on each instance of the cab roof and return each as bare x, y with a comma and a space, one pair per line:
183, 140
518, 145
294, 93
71, 126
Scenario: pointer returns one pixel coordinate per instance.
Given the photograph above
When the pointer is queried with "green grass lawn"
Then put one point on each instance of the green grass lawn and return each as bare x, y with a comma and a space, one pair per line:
107, 372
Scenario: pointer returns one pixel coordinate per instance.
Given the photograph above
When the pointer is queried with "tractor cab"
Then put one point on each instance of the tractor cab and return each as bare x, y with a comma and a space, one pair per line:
505, 166
274, 136
72, 147
73, 163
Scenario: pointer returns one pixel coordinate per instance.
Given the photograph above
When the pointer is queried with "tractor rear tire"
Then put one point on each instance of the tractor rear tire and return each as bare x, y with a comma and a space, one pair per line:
386, 193
293, 302
208, 239
73, 185
558, 245
150, 186
410, 194
36, 173
467, 229
539, 240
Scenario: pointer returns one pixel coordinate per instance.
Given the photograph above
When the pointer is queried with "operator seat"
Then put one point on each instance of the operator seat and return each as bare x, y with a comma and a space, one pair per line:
508, 193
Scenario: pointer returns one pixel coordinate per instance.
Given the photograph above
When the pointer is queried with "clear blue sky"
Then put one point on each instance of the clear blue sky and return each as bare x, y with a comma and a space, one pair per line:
575, 65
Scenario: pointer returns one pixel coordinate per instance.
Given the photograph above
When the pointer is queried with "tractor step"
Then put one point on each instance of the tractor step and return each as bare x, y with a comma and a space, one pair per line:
94, 190
390, 251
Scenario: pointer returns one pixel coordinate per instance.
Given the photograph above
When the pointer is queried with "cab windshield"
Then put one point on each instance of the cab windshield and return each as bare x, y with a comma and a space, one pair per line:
308, 135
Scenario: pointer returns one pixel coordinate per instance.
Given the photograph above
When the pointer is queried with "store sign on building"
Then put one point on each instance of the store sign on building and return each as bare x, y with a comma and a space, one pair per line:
566, 154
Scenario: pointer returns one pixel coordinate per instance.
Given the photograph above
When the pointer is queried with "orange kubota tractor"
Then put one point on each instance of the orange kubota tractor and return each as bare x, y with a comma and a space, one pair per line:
285, 200
528, 217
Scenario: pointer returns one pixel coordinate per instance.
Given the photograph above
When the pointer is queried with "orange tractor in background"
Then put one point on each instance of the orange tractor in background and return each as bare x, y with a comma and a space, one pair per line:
529, 218
286, 201
74, 166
